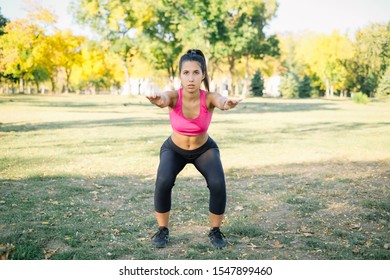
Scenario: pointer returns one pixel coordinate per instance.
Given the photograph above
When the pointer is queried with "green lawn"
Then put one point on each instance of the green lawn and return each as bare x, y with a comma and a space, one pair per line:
307, 179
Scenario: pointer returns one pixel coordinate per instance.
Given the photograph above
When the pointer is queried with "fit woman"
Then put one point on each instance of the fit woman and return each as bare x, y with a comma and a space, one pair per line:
190, 112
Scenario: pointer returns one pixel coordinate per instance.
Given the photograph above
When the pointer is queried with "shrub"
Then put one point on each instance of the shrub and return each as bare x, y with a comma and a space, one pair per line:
360, 98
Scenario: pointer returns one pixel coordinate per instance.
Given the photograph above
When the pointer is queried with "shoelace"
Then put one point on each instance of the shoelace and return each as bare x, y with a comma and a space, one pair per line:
160, 233
218, 234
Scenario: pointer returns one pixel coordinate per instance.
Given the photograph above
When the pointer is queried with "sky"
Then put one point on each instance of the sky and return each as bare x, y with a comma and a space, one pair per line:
324, 16
320, 16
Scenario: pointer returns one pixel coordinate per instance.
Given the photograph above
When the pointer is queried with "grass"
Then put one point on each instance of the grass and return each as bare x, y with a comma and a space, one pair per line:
307, 179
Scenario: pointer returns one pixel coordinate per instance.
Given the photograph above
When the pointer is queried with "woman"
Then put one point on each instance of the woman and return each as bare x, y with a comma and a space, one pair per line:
190, 112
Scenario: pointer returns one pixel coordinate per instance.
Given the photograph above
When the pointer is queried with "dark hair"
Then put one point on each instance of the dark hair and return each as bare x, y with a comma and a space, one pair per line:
198, 56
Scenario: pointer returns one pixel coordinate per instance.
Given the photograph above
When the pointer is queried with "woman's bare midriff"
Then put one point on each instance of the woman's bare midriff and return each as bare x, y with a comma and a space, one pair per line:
187, 142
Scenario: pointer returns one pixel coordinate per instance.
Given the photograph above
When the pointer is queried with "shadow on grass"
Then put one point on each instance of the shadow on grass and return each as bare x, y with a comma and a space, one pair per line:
286, 107
121, 122
65, 101
77, 218
294, 131
324, 210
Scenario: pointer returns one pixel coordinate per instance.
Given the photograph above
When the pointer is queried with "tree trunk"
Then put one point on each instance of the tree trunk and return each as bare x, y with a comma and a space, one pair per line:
67, 72
126, 87
246, 80
171, 75
21, 84
231, 61
53, 84
139, 86
327, 85
37, 86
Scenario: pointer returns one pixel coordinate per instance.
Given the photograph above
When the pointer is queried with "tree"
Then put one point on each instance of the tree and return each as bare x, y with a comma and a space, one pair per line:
56, 52
289, 45
17, 48
65, 53
325, 56
289, 85
98, 69
257, 84
39, 75
227, 30
371, 57
234, 30
21, 44
114, 21
3, 23
162, 35
304, 87
384, 85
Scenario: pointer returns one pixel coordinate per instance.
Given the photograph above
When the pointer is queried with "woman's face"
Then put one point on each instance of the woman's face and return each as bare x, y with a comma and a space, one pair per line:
191, 76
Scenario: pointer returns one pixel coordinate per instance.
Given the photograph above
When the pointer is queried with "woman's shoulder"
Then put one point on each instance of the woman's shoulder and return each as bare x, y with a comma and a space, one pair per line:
210, 98
211, 95
173, 97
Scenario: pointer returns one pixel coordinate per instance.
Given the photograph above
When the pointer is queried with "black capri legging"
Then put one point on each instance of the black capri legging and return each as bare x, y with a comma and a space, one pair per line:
207, 161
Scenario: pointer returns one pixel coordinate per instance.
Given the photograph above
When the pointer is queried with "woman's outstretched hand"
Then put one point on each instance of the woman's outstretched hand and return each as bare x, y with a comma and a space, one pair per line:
231, 103
155, 99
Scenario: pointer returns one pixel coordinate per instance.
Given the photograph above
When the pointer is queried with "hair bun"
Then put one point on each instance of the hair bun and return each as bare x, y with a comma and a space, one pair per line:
195, 52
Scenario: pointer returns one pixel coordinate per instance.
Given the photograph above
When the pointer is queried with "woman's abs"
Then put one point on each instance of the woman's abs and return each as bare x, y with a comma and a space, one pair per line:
187, 142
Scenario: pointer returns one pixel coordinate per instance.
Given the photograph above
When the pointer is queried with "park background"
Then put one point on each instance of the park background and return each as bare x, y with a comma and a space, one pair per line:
132, 47
307, 172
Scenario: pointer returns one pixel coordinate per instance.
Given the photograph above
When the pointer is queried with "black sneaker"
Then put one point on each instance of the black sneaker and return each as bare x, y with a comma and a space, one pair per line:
217, 238
161, 237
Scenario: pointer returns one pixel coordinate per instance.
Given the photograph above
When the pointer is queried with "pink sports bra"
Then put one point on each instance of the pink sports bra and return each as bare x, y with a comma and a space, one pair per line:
187, 126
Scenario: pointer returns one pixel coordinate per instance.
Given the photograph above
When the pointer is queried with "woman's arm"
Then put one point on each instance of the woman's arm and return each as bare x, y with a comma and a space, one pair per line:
223, 103
163, 99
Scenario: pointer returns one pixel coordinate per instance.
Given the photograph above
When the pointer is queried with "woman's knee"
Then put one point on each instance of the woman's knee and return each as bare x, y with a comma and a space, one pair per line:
165, 183
217, 185
162, 194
